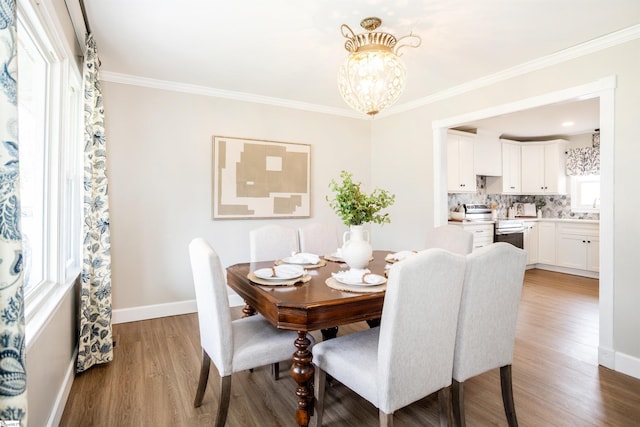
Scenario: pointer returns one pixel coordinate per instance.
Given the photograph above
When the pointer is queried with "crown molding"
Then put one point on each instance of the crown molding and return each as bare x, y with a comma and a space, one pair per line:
592, 46
226, 94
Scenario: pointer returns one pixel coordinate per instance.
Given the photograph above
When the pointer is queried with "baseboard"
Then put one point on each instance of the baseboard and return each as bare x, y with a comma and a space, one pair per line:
134, 314
628, 365
146, 312
566, 270
606, 357
63, 394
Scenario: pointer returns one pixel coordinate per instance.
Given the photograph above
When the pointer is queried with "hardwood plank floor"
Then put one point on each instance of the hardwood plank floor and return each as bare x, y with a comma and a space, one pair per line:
556, 379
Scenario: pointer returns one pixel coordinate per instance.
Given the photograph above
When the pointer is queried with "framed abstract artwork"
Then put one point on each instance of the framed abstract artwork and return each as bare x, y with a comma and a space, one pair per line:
256, 179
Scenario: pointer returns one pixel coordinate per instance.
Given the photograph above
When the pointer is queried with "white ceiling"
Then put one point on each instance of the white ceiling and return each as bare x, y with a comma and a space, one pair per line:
291, 50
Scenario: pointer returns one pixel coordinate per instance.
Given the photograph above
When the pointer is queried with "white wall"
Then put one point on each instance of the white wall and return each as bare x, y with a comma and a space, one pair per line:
408, 133
159, 149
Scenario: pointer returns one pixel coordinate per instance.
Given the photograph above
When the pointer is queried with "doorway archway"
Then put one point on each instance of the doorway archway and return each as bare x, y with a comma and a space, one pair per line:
604, 89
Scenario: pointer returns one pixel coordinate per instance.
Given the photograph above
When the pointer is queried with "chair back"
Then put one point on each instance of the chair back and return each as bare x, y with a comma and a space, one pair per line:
489, 309
271, 242
318, 238
450, 237
214, 314
418, 327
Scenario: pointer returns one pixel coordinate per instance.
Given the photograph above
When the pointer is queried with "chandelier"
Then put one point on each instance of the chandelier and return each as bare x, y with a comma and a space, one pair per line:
373, 76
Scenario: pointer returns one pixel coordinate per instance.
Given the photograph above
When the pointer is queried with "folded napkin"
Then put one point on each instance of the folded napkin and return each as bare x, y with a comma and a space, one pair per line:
303, 258
356, 276
399, 256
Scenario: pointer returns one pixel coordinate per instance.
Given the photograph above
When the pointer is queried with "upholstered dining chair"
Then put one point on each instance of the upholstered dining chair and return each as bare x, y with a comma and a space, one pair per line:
233, 346
271, 242
487, 321
319, 238
451, 238
410, 355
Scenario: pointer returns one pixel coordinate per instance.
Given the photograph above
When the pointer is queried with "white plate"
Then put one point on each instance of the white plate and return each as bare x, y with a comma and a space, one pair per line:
283, 272
370, 279
298, 260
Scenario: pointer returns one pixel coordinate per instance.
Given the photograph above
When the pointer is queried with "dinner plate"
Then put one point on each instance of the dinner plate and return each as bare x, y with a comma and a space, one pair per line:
283, 272
300, 260
370, 279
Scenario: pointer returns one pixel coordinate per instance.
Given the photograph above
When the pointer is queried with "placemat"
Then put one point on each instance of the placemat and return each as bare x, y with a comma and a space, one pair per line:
334, 284
291, 282
332, 258
322, 263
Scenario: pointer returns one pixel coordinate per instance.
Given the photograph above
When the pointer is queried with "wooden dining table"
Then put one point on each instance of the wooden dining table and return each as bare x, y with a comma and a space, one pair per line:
307, 307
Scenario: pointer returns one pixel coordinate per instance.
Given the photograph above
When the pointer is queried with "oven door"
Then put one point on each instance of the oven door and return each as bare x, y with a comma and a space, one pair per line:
516, 238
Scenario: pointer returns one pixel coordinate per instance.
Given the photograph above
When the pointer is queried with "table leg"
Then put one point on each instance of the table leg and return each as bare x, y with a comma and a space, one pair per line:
247, 310
329, 333
302, 372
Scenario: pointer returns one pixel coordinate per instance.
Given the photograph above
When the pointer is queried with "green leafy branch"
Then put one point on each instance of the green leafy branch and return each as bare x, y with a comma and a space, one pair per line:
354, 206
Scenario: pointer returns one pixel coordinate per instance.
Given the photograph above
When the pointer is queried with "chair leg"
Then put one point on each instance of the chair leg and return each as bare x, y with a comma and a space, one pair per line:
458, 403
223, 404
275, 370
320, 384
507, 395
444, 397
204, 378
386, 420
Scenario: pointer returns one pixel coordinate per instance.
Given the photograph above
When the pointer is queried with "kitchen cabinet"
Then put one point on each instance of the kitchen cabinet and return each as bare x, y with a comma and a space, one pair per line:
543, 168
482, 233
461, 176
578, 246
547, 243
509, 182
531, 241
487, 153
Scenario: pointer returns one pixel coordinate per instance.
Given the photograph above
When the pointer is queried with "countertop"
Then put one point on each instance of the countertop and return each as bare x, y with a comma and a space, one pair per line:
564, 220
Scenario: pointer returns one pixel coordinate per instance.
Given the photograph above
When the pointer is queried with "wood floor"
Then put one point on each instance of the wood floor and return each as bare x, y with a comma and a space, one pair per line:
556, 379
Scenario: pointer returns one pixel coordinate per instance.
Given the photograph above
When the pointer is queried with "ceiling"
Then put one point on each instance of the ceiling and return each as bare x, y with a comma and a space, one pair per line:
290, 51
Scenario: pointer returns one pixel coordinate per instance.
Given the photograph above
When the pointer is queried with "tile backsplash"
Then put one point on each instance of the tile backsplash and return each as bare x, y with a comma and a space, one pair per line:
554, 206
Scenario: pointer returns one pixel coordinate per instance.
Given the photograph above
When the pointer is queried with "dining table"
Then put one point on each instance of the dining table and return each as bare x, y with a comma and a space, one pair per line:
309, 306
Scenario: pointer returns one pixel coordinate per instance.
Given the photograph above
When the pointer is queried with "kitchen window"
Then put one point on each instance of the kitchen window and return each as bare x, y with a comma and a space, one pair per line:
585, 193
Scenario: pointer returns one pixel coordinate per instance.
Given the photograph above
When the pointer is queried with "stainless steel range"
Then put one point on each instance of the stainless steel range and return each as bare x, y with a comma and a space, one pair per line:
510, 231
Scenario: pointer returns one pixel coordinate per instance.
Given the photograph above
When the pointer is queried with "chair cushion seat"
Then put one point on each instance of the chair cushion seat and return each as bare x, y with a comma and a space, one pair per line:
338, 356
256, 343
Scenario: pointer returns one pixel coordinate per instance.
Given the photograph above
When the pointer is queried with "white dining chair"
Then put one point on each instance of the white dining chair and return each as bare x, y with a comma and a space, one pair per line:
319, 238
271, 242
233, 346
410, 355
451, 238
487, 321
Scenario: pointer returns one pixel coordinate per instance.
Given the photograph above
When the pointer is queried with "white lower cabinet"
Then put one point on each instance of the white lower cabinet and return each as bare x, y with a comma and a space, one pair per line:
578, 246
547, 243
531, 241
482, 233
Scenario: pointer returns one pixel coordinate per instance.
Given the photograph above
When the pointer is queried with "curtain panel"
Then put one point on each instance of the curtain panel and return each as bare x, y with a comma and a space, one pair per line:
583, 161
13, 375
95, 344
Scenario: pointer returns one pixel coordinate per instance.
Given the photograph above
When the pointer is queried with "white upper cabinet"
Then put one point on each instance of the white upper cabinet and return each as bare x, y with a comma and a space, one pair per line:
543, 168
509, 182
487, 153
461, 176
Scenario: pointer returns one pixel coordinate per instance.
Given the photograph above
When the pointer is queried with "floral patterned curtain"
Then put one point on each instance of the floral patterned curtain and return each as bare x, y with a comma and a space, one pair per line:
95, 342
13, 375
583, 161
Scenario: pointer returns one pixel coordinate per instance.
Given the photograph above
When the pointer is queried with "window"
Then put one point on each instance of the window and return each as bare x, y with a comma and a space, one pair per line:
49, 140
585, 193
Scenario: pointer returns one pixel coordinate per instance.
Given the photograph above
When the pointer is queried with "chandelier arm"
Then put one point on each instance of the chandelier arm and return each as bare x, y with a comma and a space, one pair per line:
347, 32
411, 40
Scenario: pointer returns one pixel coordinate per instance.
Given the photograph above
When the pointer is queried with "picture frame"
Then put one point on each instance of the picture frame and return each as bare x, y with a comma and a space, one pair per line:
260, 179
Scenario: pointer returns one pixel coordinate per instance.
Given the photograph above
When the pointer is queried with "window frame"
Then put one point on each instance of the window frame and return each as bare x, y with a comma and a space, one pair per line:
63, 175
577, 181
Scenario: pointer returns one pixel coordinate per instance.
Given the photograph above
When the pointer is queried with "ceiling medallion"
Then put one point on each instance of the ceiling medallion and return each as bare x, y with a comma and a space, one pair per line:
373, 75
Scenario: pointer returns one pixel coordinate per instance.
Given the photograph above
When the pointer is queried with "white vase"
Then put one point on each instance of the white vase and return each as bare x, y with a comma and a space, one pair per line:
356, 249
